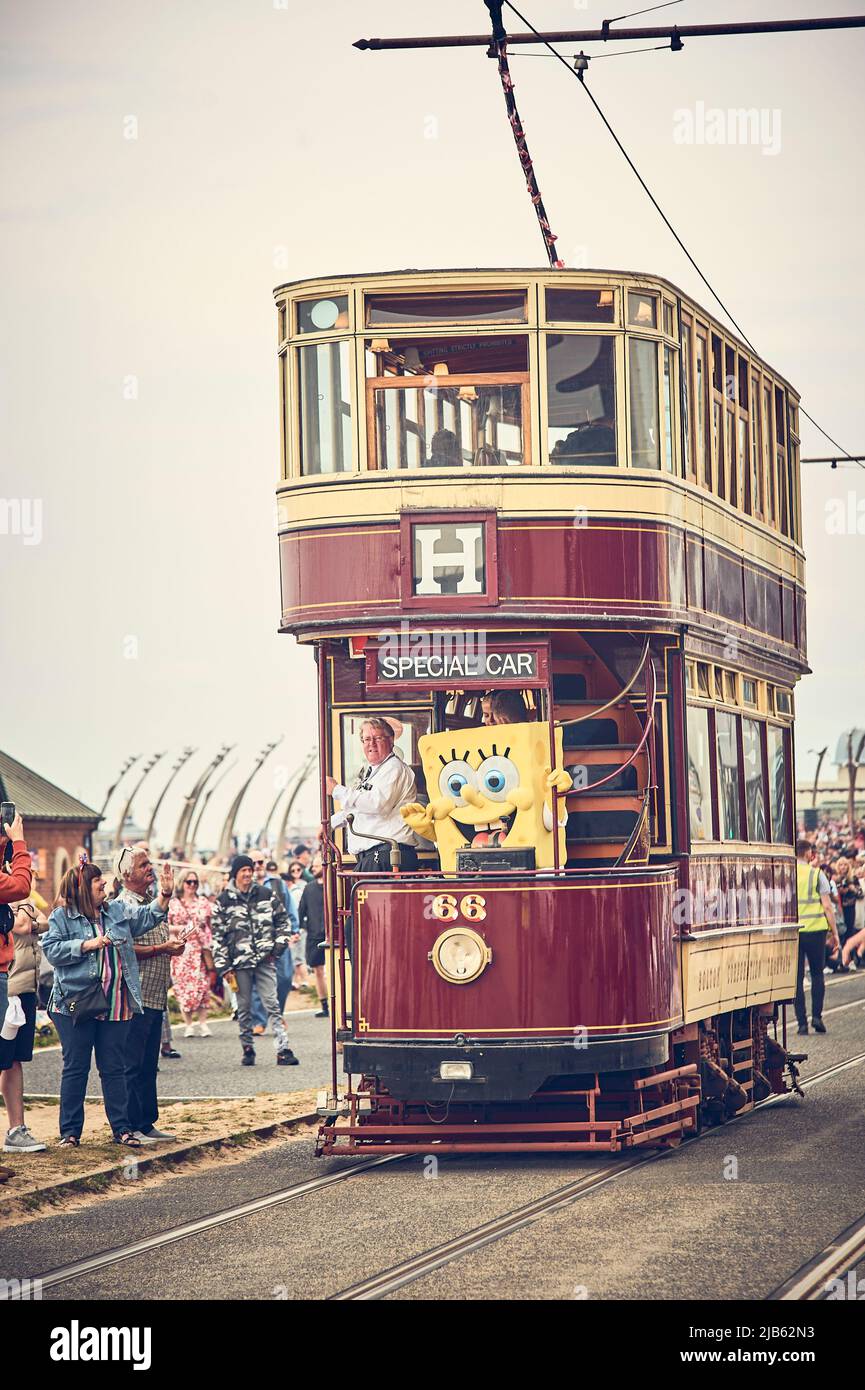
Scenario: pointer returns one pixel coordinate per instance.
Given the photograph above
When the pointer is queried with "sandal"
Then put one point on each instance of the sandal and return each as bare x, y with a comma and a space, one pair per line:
128, 1139
69, 1141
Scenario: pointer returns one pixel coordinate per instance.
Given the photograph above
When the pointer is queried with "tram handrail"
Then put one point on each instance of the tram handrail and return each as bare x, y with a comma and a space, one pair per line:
642, 819
650, 723
602, 709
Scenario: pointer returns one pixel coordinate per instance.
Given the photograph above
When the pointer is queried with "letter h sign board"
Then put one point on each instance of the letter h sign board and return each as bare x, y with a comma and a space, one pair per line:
448, 560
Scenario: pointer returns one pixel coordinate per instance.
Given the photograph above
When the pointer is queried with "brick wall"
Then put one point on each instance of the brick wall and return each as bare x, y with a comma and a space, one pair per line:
57, 845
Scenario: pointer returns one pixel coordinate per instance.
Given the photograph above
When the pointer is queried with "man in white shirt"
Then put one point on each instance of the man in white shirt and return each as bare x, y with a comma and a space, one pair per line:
383, 785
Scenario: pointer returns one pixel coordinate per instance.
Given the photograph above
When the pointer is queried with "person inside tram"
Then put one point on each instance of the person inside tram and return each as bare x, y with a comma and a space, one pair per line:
504, 707
444, 451
594, 443
384, 784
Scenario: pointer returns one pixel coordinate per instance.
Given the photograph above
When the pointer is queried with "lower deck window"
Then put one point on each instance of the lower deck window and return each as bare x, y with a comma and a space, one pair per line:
728, 776
699, 774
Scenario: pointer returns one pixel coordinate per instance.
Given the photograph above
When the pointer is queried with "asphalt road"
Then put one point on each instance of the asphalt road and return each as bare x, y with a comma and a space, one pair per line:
680, 1227
211, 1066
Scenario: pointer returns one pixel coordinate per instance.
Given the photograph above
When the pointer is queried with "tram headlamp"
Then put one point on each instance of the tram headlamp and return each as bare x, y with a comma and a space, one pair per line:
456, 1071
460, 955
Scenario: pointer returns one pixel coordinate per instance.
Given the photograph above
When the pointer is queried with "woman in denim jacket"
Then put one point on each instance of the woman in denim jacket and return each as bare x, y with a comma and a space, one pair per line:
90, 940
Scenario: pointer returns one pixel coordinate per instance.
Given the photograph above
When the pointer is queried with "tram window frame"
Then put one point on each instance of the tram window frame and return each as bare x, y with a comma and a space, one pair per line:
727, 727
784, 818
668, 313
420, 386
415, 719
550, 342
781, 456
758, 482
794, 469
687, 379
341, 347
703, 463
653, 398
643, 297
449, 299
612, 320
703, 682
668, 409
751, 732
341, 324
768, 418
700, 713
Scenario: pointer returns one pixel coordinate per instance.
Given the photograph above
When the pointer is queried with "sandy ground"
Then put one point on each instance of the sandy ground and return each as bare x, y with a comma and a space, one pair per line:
192, 1121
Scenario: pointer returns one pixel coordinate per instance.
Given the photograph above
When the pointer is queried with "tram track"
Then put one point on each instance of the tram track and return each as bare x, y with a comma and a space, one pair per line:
810, 1283
407, 1271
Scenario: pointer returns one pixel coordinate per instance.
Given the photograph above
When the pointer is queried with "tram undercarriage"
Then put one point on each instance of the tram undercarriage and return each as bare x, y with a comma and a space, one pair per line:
715, 1069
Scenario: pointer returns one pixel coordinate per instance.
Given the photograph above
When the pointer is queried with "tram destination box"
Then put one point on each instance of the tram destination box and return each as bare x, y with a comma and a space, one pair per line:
477, 861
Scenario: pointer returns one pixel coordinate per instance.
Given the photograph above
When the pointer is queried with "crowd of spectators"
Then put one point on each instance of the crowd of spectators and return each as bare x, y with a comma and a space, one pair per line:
838, 848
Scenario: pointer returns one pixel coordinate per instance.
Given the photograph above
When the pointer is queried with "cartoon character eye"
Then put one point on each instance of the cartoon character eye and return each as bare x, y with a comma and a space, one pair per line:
498, 776
454, 777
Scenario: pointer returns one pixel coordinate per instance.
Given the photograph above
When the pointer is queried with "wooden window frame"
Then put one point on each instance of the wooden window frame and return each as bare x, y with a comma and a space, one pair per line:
421, 383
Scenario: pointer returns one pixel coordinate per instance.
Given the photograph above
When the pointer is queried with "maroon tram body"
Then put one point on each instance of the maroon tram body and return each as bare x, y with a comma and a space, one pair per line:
608, 522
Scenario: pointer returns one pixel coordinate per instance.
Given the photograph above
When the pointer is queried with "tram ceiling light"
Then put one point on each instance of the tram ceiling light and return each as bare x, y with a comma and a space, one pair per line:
468, 394
379, 345
440, 369
412, 359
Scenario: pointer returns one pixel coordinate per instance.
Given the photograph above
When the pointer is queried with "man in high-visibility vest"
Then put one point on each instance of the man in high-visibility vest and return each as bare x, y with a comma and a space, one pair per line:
816, 920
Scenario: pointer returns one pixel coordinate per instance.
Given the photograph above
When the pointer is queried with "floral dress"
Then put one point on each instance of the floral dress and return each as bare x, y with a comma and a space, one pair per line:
188, 973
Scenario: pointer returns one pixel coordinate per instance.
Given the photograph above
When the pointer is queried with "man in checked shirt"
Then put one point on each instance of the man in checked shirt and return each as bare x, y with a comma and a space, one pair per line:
153, 951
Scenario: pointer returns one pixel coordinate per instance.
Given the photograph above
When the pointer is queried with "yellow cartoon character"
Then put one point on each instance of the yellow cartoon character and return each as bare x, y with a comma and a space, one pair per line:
491, 787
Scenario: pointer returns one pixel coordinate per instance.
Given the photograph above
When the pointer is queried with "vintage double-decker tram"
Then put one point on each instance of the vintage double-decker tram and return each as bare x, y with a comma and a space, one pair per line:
579, 486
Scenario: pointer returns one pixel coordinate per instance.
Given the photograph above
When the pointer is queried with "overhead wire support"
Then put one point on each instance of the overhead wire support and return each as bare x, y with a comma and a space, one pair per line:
580, 75
682, 31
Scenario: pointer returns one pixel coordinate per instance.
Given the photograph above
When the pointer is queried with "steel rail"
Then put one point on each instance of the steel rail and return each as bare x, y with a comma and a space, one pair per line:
419, 1265
390, 1280
92, 1263
808, 1284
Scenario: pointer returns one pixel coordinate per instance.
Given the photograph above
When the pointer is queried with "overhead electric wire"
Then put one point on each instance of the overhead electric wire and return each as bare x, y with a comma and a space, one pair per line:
634, 13
665, 219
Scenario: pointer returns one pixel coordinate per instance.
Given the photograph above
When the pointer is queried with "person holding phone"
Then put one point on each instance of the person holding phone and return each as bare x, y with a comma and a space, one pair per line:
16, 884
91, 941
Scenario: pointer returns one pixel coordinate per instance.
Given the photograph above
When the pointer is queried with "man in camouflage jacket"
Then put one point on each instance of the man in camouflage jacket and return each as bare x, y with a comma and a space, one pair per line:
250, 931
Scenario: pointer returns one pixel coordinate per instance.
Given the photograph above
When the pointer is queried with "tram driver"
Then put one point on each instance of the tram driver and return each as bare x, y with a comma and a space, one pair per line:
383, 785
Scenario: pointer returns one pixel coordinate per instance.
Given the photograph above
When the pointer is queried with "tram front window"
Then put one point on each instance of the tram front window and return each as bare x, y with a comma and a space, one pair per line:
448, 402
581, 399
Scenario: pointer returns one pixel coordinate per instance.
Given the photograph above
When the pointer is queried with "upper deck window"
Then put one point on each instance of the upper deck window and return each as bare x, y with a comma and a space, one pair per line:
325, 408
322, 315
643, 371
447, 402
581, 399
487, 306
580, 306
642, 309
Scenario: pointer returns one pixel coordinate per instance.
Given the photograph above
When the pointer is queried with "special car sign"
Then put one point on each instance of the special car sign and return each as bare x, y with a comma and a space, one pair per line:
449, 660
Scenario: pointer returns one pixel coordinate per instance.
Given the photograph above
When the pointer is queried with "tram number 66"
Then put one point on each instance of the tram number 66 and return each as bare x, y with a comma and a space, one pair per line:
446, 909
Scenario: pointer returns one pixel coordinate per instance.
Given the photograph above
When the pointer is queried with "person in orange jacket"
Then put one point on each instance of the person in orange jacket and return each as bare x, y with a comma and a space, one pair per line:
15, 885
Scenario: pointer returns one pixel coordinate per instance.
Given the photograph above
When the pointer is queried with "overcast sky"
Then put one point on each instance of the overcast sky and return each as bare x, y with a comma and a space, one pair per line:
138, 369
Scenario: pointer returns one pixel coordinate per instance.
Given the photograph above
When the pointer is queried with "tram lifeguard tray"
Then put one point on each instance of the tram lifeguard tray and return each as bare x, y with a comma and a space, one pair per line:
492, 860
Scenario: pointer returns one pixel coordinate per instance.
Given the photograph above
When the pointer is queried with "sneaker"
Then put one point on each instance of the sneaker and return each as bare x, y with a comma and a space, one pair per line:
819, 1025
189, 1030
323, 1012
20, 1141
142, 1137
803, 1028
204, 1031
155, 1136
248, 1058
286, 1058
170, 1052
